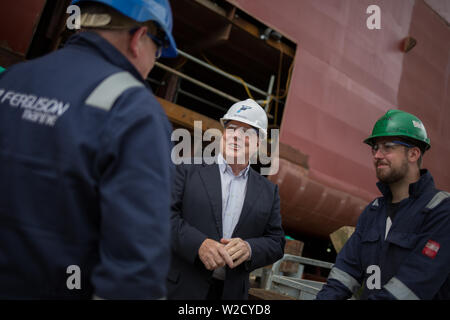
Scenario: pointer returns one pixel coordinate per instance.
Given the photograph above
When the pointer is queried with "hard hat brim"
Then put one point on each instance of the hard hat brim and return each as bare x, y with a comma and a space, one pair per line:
143, 16
231, 118
369, 140
170, 51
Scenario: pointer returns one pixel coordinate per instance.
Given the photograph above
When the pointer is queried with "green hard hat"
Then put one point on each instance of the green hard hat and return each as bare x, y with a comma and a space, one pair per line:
2, 69
400, 124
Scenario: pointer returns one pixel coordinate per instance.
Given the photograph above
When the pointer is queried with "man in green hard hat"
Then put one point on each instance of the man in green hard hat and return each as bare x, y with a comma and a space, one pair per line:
401, 246
399, 128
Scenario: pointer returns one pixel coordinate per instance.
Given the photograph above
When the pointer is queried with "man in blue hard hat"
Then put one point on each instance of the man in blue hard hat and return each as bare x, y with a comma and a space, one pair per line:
85, 162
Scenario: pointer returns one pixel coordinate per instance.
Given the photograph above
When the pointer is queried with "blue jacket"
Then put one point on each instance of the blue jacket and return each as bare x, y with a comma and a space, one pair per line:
83, 184
413, 262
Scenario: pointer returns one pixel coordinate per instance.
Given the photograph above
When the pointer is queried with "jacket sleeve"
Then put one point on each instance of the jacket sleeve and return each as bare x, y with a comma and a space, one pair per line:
346, 275
185, 239
426, 269
135, 171
270, 246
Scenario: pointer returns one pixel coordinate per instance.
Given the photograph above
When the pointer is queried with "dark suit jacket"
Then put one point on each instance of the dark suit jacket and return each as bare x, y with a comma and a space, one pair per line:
197, 215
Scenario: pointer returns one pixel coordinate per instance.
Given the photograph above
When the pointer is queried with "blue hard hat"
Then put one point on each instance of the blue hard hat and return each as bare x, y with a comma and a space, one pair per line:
145, 10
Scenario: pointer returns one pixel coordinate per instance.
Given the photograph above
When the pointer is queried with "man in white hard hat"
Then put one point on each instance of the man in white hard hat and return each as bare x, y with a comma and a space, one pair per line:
225, 216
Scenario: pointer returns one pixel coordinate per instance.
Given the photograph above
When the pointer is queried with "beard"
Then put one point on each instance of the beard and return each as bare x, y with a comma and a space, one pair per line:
392, 175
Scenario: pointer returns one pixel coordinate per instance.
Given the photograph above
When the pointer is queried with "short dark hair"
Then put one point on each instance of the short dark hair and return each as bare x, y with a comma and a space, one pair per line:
415, 143
419, 161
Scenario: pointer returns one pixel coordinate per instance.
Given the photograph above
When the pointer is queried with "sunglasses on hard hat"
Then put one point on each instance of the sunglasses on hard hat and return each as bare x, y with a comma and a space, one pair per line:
388, 146
158, 37
159, 45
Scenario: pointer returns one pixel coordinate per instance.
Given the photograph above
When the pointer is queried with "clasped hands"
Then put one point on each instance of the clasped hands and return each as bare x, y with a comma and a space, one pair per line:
231, 252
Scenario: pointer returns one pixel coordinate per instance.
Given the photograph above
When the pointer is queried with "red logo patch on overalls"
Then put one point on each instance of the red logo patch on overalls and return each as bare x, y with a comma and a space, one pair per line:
431, 249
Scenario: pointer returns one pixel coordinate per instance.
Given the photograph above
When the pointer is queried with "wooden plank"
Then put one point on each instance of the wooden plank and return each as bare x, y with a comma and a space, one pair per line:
340, 237
293, 247
184, 117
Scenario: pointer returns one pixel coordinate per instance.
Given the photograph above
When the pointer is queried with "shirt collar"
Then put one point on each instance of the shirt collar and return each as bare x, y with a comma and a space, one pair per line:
224, 167
101, 46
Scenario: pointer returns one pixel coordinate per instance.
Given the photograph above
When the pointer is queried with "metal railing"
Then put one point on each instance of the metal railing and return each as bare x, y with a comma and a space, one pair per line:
267, 94
295, 286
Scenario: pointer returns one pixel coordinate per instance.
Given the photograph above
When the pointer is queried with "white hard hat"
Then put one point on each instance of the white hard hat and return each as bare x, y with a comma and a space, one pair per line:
249, 112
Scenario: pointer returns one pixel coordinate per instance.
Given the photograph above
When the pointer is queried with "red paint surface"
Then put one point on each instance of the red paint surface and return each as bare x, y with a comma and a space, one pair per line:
345, 77
18, 21
425, 87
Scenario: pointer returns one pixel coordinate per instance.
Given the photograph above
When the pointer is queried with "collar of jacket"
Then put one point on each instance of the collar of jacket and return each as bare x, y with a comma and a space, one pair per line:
98, 44
224, 166
208, 161
415, 189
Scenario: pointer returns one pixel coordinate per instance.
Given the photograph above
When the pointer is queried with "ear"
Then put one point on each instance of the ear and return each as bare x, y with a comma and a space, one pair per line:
414, 154
135, 42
